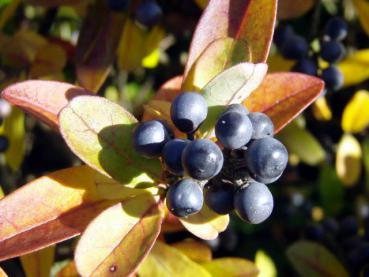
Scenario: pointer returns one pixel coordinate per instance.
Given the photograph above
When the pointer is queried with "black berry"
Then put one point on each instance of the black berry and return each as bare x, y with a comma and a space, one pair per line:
332, 51
219, 196
332, 77
172, 155
336, 29
262, 125
148, 13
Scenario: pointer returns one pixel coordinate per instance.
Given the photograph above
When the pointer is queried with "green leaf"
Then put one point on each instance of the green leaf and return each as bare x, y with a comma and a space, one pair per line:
265, 264
100, 133
231, 267
166, 261
312, 259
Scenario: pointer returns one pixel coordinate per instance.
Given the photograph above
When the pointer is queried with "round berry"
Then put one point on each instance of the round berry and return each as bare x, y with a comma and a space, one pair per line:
148, 13
282, 33
202, 159
336, 28
150, 137
172, 155
184, 198
332, 77
188, 111
219, 196
295, 48
315, 232
306, 66
118, 5
262, 125
236, 108
233, 130
253, 202
332, 51
4, 144
266, 159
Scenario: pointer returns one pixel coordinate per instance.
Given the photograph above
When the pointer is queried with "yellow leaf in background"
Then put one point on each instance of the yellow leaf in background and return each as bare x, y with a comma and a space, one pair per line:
152, 59
321, 109
202, 3
1, 193
153, 39
355, 116
2, 273
39, 263
8, 12
265, 264
276, 63
197, 251
348, 160
355, 68
69, 270
362, 10
231, 267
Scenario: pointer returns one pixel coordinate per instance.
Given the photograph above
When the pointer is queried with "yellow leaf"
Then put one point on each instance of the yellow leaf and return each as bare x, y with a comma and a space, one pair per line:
39, 263
69, 270
355, 68
152, 59
348, 160
195, 250
166, 261
1, 193
362, 9
8, 12
321, 109
231, 267
265, 265
355, 116
202, 3
2, 273
277, 63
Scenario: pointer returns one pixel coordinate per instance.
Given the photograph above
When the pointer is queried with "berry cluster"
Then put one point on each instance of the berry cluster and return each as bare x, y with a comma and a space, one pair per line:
232, 179
5, 110
148, 13
295, 47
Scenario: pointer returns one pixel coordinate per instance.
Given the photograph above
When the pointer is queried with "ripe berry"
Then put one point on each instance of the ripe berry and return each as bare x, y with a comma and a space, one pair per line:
262, 125
332, 51
202, 159
148, 13
253, 202
332, 77
219, 196
236, 108
150, 137
188, 111
233, 130
118, 5
266, 159
184, 198
172, 155
282, 33
336, 29
306, 66
295, 48
4, 144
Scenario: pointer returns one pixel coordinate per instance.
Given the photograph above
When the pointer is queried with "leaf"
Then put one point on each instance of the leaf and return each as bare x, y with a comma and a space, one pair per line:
265, 264
288, 9
206, 224
355, 67
302, 143
43, 99
2, 273
355, 116
195, 250
69, 270
53, 3
119, 238
100, 133
251, 21
283, 96
231, 267
166, 261
1, 193
321, 109
365, 147
348, 160
233, 85
169, 90
63, 203
39, 263
276, 63
312, 259
362, 10
8, 13
97, 44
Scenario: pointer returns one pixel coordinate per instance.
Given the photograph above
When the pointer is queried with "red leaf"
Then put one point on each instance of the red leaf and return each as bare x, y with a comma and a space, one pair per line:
43, 99
283, 96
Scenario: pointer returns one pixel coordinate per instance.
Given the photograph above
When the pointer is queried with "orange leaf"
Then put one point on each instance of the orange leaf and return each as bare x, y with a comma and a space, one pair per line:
43, 99
170, 89
283, 96
294, 8
69, 270
48, 210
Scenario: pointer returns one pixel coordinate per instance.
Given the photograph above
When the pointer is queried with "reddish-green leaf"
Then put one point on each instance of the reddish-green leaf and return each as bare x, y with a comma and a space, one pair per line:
43, 99
249, 20
283, 96
48, 210
119, 238
97, 44
100, 133
294, 8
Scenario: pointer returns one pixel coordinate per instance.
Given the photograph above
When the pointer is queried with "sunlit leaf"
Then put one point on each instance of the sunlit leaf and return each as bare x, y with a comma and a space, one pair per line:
294, 8
39, 263
100, 133
63, 203
43, 99
321, 109
312, 259
355, 68
362, 10
2, 273
231, 267
348, 160
283, 96
265, 264
119, 238
69, 270
53, 3
197, 251
355, 116
206, 224
167, 261
170, 89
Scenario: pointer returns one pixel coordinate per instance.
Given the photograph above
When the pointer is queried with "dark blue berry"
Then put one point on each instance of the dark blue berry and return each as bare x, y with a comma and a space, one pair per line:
262, 125
332, 51
294, 48
172, 155
336, 29
150, 137
315, 232
188, 111
4, 144
118, 5
282, 33
148, 13
266, 159
202, 159
253, 202
331, 225
332, 77
233, 130
349, 227
306, 66
219, 196
184, 198
237, 108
